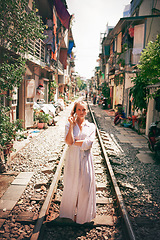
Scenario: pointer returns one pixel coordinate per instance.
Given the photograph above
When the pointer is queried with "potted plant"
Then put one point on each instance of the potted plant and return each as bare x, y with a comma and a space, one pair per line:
46, 119
8, 132
121, 62
61, 96
42, 119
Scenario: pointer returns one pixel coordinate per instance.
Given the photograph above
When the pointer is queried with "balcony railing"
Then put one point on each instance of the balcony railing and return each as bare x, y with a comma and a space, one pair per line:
60, 66
37, 49
130, 57
125, 57
136, 53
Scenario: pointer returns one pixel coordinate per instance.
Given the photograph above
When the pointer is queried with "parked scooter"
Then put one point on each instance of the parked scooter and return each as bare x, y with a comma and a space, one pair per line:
104, 103
154, 139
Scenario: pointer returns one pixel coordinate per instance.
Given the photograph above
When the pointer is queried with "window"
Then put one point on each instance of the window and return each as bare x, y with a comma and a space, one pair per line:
29, 100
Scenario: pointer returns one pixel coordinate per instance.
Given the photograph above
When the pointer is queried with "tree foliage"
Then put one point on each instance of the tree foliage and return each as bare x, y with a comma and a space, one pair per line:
52, 88
80, 83
11, 72
105, 90
150, 62
139, 92
18, 25
149, 74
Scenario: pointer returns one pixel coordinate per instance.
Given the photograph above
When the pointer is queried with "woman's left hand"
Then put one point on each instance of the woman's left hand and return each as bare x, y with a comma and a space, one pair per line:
72, 120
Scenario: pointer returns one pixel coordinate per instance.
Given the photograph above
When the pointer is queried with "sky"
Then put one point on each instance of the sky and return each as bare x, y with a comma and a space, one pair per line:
90, 20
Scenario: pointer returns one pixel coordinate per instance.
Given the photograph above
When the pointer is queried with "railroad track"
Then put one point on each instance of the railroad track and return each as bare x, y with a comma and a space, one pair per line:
128, 231
112, 218
109, 198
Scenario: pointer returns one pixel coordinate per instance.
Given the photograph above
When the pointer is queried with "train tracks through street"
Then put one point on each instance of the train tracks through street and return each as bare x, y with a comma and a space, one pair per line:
35, 215
112, 219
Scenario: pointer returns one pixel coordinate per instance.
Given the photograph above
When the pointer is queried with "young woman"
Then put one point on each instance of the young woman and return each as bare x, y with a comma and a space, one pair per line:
79, 194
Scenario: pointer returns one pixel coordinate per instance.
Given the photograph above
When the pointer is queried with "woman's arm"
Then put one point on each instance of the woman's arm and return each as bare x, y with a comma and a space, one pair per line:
69, 137
88, 141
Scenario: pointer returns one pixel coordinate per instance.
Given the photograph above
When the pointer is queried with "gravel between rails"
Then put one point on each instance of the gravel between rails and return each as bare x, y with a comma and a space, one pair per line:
54, 231
43, 152
139, 184
40, 156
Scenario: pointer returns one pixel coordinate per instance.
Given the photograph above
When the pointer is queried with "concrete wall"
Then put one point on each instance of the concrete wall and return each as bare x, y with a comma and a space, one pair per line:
145, 8
117, 95
152, 114
128, 84
152, 29
128, 78
147, 5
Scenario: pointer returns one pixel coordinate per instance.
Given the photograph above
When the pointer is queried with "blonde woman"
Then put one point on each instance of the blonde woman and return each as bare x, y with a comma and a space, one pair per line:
79, 194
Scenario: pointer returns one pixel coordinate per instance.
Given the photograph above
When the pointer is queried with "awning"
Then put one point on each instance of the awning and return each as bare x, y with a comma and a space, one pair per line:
62, 13
123, 22
107, 50
63, 57
54, 43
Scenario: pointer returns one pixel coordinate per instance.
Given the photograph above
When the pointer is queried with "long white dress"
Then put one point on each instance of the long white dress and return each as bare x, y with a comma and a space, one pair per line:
79, 194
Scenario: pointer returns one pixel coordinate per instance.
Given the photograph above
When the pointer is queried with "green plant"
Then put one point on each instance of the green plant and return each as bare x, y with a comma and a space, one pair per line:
120, 109
124, 47
42, 117
150, 62
139, 92
8, 130
61, 95
149, 74
52, 87
121, 61
105, 90
119, 79
80, 83
17, 26
46, 118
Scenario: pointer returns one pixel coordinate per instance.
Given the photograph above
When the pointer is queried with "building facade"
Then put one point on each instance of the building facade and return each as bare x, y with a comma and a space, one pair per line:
47, 61
122, 46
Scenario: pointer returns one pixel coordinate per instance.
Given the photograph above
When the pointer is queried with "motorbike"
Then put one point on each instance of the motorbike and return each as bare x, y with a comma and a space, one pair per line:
104, 103
154, 139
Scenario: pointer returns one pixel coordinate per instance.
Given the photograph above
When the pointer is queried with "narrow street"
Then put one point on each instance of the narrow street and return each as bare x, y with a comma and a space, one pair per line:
137, 172
32, 154
53, 53
136, 169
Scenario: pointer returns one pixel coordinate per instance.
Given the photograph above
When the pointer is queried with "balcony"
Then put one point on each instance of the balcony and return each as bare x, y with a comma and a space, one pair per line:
136, 53
60, 66
37, 50
130, 57
125, 58
61, 79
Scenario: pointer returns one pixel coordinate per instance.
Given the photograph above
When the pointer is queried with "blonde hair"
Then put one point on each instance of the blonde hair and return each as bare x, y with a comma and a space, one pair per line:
75, 106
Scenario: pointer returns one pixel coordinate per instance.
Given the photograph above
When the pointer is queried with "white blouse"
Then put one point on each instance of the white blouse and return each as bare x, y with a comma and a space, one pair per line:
79, 194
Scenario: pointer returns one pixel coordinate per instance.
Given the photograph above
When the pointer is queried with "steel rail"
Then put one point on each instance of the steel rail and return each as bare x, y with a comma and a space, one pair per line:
46, 204
130, 233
